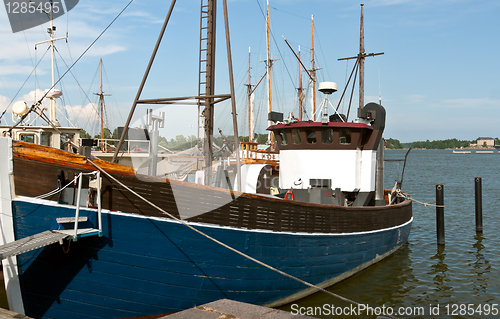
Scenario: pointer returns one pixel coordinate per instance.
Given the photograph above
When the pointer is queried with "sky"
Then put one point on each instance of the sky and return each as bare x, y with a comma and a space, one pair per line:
438, 77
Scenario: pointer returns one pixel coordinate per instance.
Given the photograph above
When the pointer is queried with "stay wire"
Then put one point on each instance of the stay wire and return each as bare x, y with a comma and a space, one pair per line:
276, 44
36, 104
22, 86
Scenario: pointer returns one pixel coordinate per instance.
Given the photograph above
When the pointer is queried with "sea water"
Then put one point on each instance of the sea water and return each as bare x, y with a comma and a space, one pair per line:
422, 280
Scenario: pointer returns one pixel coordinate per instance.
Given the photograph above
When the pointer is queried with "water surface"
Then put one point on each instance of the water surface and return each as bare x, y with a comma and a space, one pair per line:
422, 275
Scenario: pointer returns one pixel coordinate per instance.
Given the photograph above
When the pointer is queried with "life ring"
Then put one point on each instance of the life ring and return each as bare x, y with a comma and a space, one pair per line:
289, 193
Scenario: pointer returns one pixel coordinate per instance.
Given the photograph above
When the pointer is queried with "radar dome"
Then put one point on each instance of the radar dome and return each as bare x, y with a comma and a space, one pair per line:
54, 93
20, 108
327, 87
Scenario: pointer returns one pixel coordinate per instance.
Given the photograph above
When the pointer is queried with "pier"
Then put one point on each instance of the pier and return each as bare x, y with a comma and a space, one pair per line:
7, 314
226, 308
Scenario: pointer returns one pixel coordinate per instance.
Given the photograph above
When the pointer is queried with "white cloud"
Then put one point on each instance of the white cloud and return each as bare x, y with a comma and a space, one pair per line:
415, 98
87, 113
472, 103
4, 103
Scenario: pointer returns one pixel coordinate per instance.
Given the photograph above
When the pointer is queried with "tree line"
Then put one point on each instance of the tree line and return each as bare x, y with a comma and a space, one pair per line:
439, 144
180, 142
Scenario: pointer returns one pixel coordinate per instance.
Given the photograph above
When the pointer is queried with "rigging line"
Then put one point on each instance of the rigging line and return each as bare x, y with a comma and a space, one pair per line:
276, 44
108, 82
71, 59
282, 58
345, 82
225, 245
27, 45
36, 104
322, 52
81, 89
295, 15
353, 86
62, 97
348, 81
15, 96
74, 77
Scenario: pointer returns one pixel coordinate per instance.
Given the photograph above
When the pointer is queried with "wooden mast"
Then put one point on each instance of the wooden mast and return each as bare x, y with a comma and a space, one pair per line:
101, 104
361, 61
101, 100
313, 71
300, 88
249, 86
208, 101
268, 65
361, 58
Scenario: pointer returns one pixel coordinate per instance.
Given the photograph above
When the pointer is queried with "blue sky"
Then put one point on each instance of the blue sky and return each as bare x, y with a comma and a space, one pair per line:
438, 77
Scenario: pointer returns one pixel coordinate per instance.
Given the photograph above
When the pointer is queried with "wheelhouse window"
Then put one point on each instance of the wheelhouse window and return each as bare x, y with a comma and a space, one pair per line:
345, 136
282, 134
28, 137
296, 136
311, 136
45, 138
327, 136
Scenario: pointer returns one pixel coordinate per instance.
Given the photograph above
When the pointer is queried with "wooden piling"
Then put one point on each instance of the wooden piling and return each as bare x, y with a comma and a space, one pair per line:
440, 214
479, 204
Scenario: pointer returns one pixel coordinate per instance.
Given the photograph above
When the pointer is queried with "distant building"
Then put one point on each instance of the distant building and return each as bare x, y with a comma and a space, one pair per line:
489, 141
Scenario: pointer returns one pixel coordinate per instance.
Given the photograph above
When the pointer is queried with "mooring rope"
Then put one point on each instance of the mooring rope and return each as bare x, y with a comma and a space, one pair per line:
57, 190
400, 194
226, 246
60, 189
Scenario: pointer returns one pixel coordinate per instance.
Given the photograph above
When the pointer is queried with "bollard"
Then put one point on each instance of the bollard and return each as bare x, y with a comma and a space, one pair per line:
440, 213
479, 204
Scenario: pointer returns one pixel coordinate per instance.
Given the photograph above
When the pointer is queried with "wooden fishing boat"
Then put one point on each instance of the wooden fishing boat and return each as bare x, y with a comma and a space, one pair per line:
147, 263
134, 245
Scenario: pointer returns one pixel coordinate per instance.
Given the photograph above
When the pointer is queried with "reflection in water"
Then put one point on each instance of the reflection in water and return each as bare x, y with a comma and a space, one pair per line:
481, 266
386, 283
465, 272
441, 277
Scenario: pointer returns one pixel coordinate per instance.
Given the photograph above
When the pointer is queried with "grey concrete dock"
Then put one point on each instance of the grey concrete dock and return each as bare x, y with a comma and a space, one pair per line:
226, 309
7, 314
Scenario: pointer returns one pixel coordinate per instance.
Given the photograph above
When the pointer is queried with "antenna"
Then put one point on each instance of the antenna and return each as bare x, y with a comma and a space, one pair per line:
327, 88
379, 94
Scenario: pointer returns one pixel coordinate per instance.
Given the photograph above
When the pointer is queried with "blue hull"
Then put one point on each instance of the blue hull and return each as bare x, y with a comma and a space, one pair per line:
143, 266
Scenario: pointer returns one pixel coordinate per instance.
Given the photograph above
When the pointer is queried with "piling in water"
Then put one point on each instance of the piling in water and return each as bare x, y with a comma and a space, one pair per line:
440, 213
479, 204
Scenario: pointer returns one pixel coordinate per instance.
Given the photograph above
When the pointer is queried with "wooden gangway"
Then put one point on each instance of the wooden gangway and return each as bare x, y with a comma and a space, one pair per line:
30, 243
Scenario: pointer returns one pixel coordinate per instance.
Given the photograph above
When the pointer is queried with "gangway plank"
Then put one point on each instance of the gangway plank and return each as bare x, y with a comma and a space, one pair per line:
30, 243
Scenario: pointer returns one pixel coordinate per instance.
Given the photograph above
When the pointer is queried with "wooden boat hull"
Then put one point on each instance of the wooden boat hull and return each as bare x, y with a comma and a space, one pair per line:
147, 263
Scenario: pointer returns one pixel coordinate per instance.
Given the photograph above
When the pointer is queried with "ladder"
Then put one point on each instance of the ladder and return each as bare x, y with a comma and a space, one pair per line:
207, 54
69, 227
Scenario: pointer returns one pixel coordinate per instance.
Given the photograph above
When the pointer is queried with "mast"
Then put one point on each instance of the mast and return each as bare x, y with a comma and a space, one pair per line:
51, 30
361, 61
52, 110
249, 86
101, 104
300, 88
208, 112
101, 100
268, 65
313, 71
